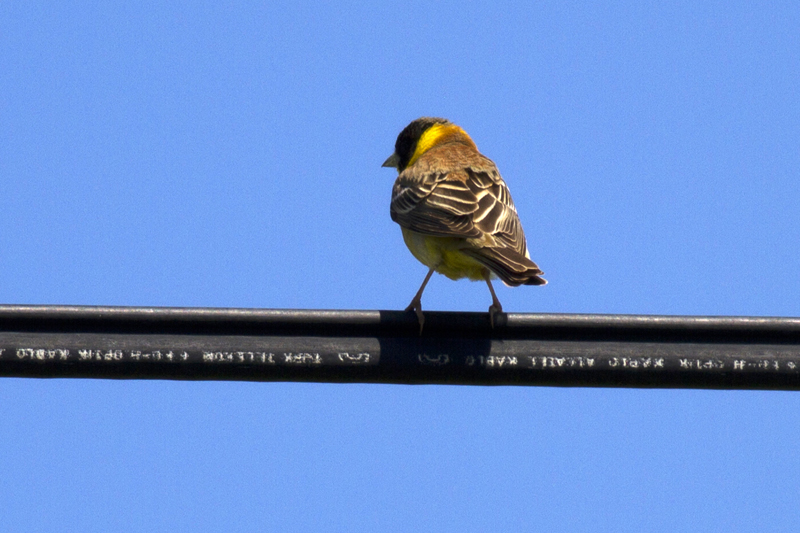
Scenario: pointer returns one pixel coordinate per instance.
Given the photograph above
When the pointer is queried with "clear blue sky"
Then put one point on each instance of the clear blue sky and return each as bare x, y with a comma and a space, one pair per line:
200, 155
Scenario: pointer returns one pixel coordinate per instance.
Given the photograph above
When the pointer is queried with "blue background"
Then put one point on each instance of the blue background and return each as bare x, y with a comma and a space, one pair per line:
198, 154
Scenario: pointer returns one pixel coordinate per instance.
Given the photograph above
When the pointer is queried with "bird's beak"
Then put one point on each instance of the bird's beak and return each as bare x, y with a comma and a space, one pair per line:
393, 161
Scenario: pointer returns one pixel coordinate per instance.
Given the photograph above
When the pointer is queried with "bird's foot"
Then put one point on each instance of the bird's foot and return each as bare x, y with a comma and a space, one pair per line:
416, 306
493, 310
495, 307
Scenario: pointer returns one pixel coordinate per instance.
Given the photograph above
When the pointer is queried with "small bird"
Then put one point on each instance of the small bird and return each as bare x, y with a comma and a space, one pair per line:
456, 212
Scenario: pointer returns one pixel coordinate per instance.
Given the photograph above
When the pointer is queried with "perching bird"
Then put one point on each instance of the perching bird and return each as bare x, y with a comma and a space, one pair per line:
455, 211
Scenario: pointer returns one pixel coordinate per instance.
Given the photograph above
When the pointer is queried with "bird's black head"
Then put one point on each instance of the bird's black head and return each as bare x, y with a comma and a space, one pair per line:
406, 143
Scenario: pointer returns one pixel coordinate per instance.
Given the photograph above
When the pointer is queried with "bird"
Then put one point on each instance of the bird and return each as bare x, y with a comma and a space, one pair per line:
456, 212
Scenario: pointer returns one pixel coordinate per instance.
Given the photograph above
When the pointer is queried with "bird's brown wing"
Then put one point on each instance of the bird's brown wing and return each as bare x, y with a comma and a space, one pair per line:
437, 204
505, 251
471, 202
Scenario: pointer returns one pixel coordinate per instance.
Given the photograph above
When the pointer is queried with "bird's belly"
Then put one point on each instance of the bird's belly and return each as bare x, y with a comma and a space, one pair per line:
444, 255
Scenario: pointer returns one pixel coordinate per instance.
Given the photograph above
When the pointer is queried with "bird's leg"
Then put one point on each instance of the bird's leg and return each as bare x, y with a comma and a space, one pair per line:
416, 302
496, 307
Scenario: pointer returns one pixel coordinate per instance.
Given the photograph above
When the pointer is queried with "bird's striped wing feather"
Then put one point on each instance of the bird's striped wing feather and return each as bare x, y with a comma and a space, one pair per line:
472, 203
435, 205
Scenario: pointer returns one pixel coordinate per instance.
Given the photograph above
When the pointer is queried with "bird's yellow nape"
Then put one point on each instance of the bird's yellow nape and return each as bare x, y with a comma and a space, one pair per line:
433, 136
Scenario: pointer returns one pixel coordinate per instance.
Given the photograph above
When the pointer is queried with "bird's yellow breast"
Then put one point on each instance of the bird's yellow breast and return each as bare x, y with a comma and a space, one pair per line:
444, 255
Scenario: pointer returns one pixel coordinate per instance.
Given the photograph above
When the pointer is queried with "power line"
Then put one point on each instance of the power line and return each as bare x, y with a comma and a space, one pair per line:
385, 347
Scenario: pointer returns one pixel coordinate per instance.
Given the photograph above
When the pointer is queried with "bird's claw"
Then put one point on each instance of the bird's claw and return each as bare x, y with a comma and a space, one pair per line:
416, 306
494, 309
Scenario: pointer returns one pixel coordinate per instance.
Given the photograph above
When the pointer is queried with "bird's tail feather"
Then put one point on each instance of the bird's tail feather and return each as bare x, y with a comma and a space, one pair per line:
510, 266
